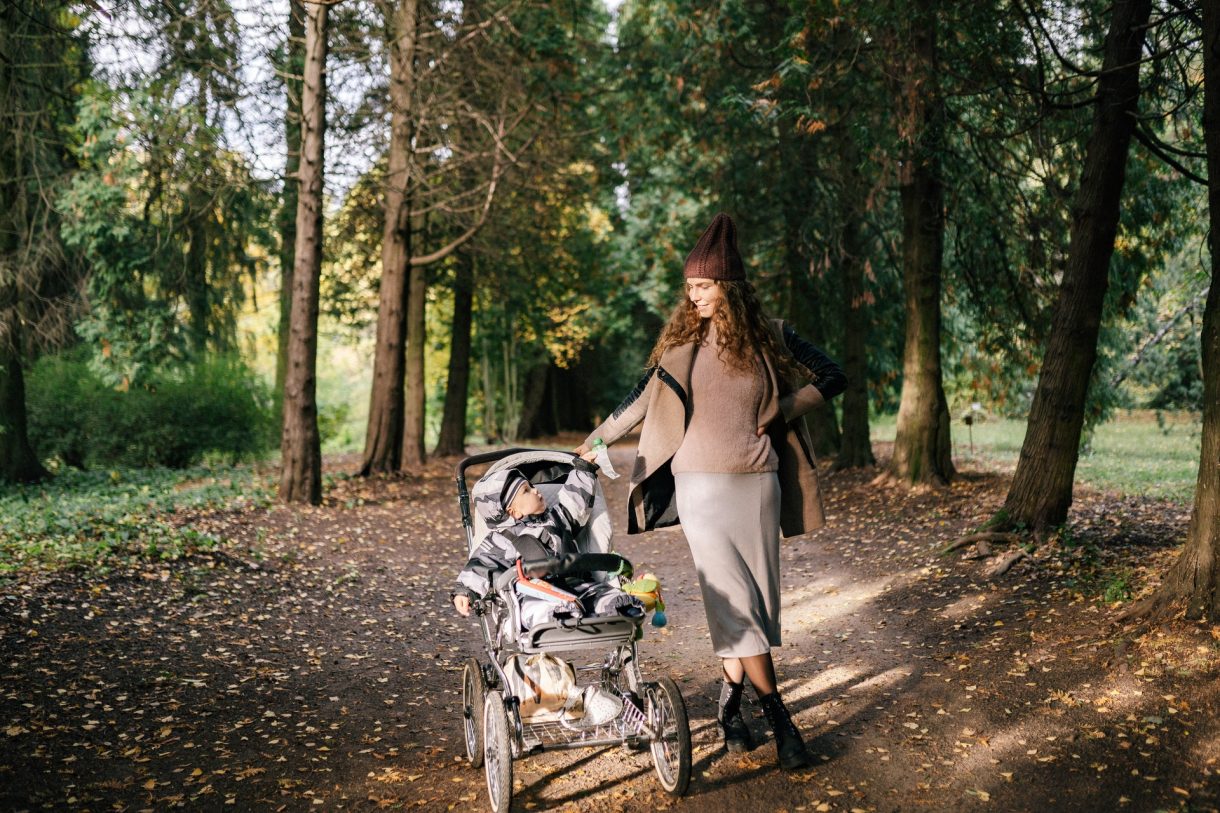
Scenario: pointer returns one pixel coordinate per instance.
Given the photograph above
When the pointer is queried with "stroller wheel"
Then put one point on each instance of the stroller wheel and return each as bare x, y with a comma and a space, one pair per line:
497, 753
671, 749
474, 691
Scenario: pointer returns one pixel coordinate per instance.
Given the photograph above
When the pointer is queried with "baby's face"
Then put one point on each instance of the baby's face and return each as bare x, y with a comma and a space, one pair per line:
527, 502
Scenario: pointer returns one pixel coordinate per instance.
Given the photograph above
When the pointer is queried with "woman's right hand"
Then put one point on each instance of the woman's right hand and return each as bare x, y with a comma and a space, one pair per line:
582, 450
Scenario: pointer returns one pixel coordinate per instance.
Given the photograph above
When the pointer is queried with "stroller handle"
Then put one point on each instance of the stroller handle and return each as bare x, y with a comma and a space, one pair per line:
486, 457
498, 454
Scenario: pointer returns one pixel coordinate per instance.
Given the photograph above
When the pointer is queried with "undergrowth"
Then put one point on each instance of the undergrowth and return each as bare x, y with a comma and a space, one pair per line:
105, 518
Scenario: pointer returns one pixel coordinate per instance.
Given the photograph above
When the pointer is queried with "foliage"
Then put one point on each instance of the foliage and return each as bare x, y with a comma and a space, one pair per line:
176, 419
42, 62
121, 214
101, 518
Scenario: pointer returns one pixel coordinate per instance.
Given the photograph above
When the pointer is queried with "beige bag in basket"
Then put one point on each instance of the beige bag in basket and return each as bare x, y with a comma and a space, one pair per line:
546, 687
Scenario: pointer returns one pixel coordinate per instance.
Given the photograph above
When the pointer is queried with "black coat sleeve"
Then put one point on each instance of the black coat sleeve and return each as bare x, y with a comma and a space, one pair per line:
828, 376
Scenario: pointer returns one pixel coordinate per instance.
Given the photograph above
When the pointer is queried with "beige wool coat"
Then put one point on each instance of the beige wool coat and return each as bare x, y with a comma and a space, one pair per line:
659, 400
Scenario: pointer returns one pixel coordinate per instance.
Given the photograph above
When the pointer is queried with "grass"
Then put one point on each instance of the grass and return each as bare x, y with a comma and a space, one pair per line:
101, 518
1140, 452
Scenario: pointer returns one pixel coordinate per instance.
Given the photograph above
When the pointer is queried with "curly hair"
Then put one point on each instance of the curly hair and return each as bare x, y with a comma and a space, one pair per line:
742, 332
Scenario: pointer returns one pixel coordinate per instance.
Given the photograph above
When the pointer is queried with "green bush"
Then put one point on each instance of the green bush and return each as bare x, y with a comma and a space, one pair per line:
215, 406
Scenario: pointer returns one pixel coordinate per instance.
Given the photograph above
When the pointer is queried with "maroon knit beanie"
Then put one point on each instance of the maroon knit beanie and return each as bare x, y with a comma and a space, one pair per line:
715, 256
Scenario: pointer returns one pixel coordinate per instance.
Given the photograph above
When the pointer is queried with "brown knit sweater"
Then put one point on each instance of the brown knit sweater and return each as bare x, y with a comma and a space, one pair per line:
722, 417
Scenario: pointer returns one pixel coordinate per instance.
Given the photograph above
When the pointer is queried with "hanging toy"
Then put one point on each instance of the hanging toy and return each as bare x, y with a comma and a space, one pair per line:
647, 589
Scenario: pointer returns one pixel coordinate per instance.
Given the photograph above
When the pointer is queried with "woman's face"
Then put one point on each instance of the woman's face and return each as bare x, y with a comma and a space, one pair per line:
704, 294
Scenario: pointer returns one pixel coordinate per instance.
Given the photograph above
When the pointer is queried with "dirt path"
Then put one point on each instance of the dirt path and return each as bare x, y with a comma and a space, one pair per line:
313, 664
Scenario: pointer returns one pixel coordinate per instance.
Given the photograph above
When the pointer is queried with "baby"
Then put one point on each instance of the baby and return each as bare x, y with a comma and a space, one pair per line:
518, 522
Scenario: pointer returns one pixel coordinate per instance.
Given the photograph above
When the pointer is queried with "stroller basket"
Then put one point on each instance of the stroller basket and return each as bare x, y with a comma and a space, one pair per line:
629, 726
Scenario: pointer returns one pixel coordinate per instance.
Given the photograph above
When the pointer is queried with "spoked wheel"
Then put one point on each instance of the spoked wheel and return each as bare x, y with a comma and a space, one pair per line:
671, 752
498, 753
474, 690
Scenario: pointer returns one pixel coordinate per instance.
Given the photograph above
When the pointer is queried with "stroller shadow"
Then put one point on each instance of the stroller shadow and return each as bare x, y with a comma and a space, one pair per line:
535, 792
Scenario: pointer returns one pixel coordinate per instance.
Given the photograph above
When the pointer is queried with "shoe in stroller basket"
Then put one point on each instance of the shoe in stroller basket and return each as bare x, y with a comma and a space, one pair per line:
570, 682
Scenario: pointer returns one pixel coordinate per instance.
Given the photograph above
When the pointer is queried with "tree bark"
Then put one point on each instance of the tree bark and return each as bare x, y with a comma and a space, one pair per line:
453, 422
413, 418
195, 270
300, 445
200, 220
1041, 491
18, 463
922, 446
531, 400
1194, 579
801, 305
855, 446
384, 439
294, 66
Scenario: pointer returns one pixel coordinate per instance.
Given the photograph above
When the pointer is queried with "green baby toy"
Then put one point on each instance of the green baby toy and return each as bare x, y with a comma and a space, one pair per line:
647, 589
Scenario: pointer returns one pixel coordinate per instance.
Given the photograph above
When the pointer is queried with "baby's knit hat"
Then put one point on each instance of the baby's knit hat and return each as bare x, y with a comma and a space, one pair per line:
512, 484
715, 256
494, 492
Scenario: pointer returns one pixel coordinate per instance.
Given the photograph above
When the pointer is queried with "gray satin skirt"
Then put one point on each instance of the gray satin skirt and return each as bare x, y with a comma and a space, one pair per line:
731, 522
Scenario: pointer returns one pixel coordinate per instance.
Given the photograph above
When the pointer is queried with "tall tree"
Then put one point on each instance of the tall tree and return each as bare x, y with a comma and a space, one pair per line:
922, 446
807, 308
431, 143
292, 68
41, 64
383, 439
452, 440
1194, 579
1041, 491
855, 447
300, 445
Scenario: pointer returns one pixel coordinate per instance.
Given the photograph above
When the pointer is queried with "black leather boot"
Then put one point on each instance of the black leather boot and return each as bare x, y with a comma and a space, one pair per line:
789, 746
733, 728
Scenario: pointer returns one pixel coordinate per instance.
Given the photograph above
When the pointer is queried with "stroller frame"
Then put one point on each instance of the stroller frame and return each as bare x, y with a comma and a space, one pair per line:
653, 713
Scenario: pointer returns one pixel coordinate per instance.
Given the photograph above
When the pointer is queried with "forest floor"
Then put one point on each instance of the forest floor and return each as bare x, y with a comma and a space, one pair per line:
313, 663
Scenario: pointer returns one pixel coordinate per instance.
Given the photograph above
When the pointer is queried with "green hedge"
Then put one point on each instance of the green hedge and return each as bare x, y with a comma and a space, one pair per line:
214, 407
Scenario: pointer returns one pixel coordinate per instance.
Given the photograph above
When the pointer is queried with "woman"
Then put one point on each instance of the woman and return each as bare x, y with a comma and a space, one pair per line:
724, 451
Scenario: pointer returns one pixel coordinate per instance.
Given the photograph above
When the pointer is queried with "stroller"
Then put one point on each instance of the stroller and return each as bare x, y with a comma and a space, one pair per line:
601, 651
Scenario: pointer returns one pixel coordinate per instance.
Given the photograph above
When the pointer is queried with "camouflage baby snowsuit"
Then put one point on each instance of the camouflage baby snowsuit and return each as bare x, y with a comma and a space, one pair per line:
555, 530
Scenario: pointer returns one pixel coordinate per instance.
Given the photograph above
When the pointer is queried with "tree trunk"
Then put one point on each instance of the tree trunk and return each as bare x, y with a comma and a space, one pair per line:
18, 463
855, 447
453, 423
1194, 579
491, 427
195, 271
413, 419
384, 438
294, 66
531, 400
922, 446
300, 446
804, 309
1041, 490
200, 219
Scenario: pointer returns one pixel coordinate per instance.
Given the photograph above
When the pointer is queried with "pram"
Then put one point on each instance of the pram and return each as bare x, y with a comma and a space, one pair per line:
601, 649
